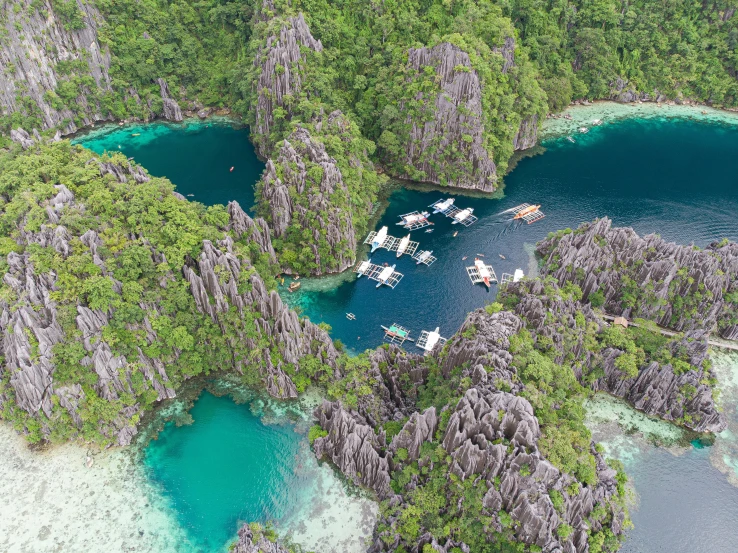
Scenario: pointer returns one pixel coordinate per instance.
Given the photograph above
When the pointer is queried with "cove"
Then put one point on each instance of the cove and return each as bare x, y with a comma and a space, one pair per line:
195, 155
250, 461
674, 177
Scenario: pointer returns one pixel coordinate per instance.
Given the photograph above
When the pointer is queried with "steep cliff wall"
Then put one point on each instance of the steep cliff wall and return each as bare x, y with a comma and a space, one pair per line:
40, 51
445, 143
679, 287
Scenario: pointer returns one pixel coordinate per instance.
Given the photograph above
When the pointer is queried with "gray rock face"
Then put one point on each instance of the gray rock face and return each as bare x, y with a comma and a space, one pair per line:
30, 330
257, 230
172, 111
418, 429
34, 45
485, 354
527, 134
354, 447
249, 543
494, 436
679, 287
302, 185
280, 62
449, 148
658, 389
214, 281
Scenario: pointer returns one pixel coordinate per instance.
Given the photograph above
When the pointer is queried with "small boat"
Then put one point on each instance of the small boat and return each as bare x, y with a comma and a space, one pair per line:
570, 139
429, 230
597, 122
456, 233
583, 130
403, 245
464, 258
413, 218
528, 210
483, 271
350, 316
190, 195
294, 286
384, 276
501, 256
423, 256
136, 134
461, 215
480, 254
232, 168
379, 239
438, 207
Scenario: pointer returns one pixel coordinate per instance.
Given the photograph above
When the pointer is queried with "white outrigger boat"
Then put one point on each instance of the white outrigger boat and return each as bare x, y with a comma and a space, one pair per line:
462, 215
481, 273
402, 246
385, 275
415, 220
429, 340
425, 257
379, 238
442, 205
515, 277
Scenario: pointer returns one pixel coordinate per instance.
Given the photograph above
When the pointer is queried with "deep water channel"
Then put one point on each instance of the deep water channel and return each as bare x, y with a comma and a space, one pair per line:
678, 178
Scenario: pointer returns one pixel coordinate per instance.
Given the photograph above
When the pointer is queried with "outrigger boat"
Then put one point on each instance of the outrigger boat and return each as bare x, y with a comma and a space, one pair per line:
415, 220
528, 213
396, 334
350, 316
481, 273
379, 238
425, 257
429, 340
515, 277
403, 245
462, 215
385, 275
442, 205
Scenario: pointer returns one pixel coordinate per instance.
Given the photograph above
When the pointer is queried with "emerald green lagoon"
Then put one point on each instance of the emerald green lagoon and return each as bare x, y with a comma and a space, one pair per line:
196, 156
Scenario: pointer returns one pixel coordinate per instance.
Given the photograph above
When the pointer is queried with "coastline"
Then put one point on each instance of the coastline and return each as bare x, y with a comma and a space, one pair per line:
609, 111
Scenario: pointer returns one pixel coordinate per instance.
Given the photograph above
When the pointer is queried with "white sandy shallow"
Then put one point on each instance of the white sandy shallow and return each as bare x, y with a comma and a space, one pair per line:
609, 112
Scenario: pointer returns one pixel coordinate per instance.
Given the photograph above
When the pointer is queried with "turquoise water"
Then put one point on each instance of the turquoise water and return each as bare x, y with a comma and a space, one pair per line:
196, 156
673, 177
227, 467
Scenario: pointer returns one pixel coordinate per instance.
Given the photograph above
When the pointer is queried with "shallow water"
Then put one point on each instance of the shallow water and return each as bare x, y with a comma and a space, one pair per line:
674, 177
196, 156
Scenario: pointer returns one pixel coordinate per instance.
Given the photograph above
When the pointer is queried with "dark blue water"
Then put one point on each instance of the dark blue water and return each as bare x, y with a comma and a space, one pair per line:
226, 468
672, 177
196, 156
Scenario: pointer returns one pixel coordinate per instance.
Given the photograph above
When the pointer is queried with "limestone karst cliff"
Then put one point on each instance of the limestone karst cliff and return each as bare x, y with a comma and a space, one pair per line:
679, 287
41, 51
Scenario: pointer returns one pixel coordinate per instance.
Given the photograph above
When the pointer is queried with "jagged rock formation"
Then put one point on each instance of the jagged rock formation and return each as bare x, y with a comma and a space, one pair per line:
679, 287
486, 354
172, 111
303, 186
30, 329
659, 389
527, 134
215, 279
418, 429
446, 141
250, 543
33, 46
256, 229
280, 62
354, 447
494, 435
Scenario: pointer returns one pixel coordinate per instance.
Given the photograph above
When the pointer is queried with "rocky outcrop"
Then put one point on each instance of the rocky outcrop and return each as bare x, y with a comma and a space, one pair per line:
171, 110
527, 134
280, 61
679, 287
35, 42
255, 542
666, 390
303, 186
354, 447
493, 436
481, 346
418, 429
254, 230
217, 279
446, 142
